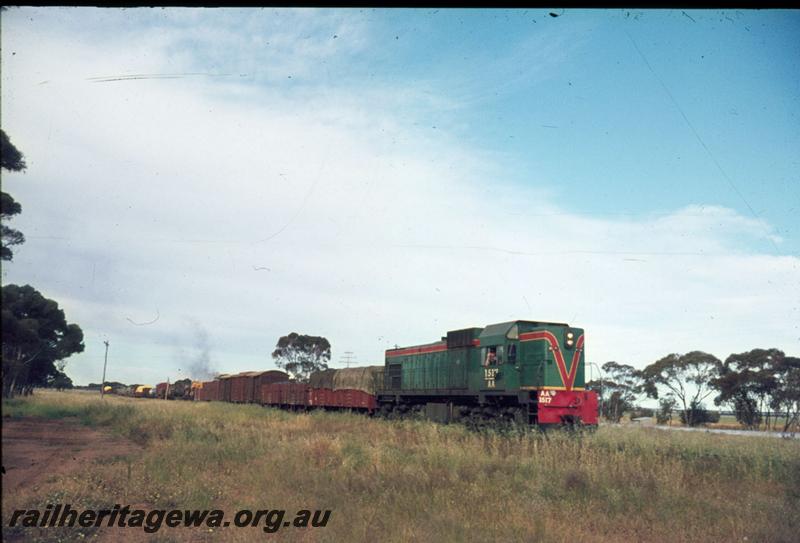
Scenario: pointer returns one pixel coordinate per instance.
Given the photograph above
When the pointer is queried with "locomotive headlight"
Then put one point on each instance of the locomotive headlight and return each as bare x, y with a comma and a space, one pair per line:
570, 335
570, 340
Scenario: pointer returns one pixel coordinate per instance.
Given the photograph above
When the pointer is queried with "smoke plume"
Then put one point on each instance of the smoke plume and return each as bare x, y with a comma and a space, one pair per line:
197, 361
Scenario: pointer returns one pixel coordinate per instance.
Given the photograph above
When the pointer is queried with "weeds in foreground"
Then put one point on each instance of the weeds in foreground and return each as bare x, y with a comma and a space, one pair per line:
419, 481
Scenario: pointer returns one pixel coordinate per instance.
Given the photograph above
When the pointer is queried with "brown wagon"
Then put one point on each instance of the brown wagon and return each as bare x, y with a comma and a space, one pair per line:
259, 379
246, 386
238, 387
208, 392
162, 390
286, 394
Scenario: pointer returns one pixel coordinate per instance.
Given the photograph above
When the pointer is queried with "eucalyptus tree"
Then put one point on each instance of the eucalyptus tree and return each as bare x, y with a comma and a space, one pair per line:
37, 339
301, 355
688, 377
11, 159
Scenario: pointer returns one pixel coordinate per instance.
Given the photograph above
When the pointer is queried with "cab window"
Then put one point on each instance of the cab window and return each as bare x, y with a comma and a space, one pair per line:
490, 357
512, 354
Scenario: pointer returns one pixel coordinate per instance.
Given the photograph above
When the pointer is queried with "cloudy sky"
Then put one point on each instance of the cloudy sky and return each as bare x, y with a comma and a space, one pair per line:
203, 181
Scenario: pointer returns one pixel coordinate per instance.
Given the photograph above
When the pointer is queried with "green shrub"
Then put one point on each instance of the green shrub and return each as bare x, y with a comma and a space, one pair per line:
697, 415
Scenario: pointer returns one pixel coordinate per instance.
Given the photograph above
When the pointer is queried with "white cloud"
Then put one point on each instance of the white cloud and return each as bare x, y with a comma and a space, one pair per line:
254, 212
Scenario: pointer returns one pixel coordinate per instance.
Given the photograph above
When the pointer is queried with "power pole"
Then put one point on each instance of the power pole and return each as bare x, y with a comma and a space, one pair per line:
347, 358
105, 363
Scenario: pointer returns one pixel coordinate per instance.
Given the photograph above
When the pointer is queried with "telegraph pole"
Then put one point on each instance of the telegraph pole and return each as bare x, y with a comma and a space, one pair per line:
347, 358
105, 363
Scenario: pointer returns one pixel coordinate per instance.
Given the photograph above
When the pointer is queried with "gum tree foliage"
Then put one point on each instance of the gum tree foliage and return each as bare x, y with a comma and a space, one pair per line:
750, 381
747, 381
687, 377
666, 405
59, 381
36, 339
746, 411
786, 396
12, 160
300, 355
620, 389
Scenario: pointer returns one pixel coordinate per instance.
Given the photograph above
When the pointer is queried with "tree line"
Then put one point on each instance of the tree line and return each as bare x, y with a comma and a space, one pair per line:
761, 385
37, 339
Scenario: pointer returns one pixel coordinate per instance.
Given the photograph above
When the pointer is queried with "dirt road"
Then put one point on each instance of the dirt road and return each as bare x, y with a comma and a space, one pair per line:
36, 450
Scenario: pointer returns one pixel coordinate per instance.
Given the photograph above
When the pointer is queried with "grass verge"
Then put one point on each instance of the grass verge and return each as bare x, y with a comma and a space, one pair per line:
419, 481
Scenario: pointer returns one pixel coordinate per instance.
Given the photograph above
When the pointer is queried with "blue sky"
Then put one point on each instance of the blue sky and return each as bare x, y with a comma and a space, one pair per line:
383, 176
570, 102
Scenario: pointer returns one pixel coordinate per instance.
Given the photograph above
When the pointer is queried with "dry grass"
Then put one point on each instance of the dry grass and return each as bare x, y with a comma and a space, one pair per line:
418, 481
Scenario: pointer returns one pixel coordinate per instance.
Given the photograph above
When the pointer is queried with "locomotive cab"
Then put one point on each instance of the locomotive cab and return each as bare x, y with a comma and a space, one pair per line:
498, 370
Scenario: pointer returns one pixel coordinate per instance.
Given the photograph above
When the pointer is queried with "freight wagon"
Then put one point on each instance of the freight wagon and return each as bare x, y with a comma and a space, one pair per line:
289, 394
208, 391
142, 391
161, 391
303, 396
183, 389
246, 386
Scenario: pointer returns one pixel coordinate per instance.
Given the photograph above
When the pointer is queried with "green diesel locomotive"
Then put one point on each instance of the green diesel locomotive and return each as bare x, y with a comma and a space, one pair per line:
518, 372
